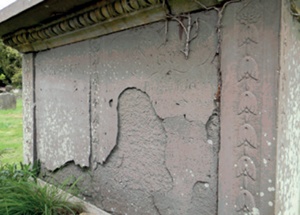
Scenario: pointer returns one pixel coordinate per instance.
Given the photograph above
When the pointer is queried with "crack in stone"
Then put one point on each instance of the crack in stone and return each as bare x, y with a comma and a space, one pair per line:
155, 206
90, 122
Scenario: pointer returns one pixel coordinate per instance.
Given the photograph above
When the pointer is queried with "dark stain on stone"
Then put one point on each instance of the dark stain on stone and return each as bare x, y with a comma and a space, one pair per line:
110, 102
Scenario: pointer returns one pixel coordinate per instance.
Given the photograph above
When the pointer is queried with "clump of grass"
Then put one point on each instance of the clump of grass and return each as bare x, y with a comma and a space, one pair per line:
21, 172
21, 198
22, 194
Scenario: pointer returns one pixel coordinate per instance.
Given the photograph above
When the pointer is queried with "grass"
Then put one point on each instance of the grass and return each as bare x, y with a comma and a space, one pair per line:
22, 194
11, 134
21, 198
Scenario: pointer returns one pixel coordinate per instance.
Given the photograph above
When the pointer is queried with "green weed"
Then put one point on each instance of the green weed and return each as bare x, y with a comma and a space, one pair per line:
28, 197
21, 172
22, 194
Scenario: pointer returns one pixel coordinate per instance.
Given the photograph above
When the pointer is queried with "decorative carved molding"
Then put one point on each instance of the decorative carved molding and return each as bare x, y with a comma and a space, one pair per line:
245, 202
246, 168
247, 70
249, 65
249, 14
248, 103
247, 136
99, 13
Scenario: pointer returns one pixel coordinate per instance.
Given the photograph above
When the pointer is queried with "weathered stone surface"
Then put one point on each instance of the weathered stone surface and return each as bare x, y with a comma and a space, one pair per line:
185, 141
136, 169
62, 90
145, 109
7, 101
175, 86
179, 93
137, 120
29, 124
288, 161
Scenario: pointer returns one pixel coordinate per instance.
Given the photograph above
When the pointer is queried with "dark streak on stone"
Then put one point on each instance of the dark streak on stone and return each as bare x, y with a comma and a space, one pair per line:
90, 122
35, 151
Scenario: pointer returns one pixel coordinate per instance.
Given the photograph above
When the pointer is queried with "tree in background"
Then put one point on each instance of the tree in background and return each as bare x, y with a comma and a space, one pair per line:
10, 66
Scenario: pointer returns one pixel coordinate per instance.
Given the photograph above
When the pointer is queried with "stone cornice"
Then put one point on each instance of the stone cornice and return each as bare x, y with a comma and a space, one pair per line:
96, 20
101, 18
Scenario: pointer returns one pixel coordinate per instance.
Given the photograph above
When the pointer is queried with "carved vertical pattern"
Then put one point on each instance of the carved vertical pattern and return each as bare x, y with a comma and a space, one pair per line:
247, 75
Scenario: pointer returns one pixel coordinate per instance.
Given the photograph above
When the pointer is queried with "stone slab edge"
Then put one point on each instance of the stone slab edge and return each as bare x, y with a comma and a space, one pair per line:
29, 123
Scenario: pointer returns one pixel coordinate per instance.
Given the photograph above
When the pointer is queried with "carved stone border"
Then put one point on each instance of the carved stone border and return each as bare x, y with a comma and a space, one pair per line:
96, 20
101, 18
249, 63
